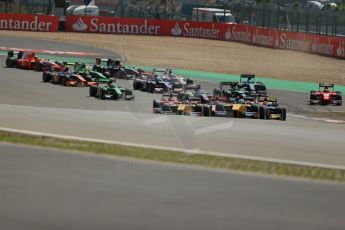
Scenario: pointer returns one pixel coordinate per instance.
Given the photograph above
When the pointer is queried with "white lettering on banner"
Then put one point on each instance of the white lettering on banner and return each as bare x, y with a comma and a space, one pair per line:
341, 49
262, 39
120, 28
322, 48
199, 32
34, 25
243, 36
292, 44
228, 34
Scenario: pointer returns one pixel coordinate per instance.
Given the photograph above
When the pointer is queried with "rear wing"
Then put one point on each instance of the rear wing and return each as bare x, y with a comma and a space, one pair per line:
104, 81
170, 94
247, 78
65, 63
193, 87
11, 53
108, 61
160, 70
331, 85
231, 83
268, 99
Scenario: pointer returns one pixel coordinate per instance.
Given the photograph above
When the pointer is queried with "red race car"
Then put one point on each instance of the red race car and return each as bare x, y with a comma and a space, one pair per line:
326, 95
30, 61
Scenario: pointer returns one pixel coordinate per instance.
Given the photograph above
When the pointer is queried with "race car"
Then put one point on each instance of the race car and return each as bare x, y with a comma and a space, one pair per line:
50, 65
325, 95
110, 91
264, 108
167, 105
248, 82
21, 60
156, 84
140, 81
30, 61
114, 68
66, 79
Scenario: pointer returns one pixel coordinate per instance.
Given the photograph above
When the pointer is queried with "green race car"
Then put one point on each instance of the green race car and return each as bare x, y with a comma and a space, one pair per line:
110, 91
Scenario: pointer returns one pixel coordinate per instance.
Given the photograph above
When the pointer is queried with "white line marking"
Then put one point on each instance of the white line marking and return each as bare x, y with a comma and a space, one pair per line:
197, 151
49, 51
318, 119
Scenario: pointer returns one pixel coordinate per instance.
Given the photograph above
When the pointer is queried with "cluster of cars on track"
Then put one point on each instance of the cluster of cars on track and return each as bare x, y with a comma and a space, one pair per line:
246, 98
243, 99
98, 78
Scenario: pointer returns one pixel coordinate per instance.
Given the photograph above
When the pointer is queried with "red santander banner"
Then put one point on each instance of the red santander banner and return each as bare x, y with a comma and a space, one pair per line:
140, 26
318, 44
29, 22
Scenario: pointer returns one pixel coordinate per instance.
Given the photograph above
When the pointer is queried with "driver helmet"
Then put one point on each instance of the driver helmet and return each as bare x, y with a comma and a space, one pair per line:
117, 62
241, 101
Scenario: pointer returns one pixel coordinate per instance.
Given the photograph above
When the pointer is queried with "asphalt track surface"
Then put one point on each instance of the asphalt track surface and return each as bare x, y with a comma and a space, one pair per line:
54, 46
29, 104
51, 189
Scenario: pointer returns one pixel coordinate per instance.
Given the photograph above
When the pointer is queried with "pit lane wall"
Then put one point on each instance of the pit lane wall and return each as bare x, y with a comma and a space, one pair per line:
318, 44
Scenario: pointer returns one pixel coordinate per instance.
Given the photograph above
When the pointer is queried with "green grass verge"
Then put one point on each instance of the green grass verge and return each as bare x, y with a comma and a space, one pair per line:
230, 163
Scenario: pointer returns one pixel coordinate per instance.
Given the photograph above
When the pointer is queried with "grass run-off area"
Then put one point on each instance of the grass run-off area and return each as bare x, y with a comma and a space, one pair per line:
218, 162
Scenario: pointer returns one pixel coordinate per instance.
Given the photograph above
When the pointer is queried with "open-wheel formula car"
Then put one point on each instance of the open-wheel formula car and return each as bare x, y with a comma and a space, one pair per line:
167, 105
262, 108
110, 90
21, 60
114, 68
248, 81
69, 77
325, 95
66, 79
156, 84
28, 60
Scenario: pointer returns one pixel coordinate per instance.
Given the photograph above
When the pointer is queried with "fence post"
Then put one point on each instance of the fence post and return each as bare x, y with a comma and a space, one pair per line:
335, 25
297, 26
307, 23
326, 24
6, 6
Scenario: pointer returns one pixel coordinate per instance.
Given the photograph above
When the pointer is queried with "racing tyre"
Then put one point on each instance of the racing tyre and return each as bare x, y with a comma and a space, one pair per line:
151, 88
255, 109
206, 110
262, 112
136, 85
117, 96
46, 77
189, 81
156, 103
217, 92
10, 63
63, 81
88, 78
92, 91
38, 66
283, 114
227, 93
101, 94
198, 108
